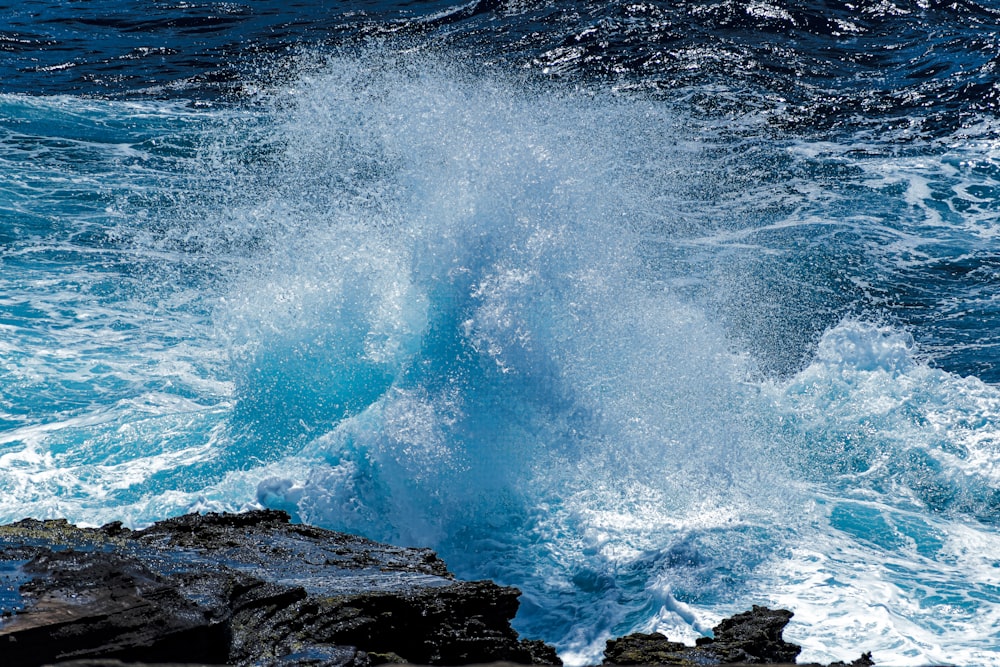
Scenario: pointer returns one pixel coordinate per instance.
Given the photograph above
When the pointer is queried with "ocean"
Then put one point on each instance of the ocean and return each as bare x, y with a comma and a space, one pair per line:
652, 309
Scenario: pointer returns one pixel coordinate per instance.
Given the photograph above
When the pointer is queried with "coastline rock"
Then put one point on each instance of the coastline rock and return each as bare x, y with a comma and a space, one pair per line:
750, 638
254, 589
243, 589
753, 637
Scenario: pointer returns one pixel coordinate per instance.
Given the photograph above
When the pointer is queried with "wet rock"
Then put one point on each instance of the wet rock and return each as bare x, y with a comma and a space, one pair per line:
645, 649
750, 638
864, 661
245, 589
753, 637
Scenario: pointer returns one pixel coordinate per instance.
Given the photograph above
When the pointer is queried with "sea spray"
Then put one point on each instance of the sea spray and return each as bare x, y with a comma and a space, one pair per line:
576, 341
566, 414
528, 390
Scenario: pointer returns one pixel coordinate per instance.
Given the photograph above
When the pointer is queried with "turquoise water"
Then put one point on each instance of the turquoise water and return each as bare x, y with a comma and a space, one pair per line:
649, 363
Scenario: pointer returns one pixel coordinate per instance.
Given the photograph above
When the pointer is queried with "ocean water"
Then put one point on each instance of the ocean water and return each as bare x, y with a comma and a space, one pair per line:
655, 310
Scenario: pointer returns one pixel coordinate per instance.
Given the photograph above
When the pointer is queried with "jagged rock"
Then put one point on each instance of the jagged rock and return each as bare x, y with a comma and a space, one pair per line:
245, 589
644, 649
751, 638
864, 661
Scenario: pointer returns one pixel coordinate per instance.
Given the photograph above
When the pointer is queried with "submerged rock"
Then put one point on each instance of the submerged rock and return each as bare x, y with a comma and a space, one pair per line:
243, 589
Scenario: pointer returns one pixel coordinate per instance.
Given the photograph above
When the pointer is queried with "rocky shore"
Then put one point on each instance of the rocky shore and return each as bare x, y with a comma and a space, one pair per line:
255, 589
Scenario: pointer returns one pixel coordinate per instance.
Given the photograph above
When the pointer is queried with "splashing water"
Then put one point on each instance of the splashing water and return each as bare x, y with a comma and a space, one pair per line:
537, 330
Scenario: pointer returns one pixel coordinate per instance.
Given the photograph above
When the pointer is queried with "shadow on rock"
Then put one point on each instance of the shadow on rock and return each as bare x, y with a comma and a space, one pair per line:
244, 589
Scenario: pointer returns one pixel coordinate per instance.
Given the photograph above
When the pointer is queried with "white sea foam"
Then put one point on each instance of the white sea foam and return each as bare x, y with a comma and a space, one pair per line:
555, 335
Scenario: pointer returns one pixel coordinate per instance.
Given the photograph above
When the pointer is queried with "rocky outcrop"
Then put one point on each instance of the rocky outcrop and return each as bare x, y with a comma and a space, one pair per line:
751, 638
245, 589
255, 589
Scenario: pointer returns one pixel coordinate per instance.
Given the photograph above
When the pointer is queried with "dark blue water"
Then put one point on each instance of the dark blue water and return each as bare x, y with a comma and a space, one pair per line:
654, 310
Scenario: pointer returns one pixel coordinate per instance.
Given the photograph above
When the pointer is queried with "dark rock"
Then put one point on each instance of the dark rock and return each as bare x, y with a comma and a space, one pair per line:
538, 652
644, 649
754, 637
246, 589
108, 662
751, 638
864, 661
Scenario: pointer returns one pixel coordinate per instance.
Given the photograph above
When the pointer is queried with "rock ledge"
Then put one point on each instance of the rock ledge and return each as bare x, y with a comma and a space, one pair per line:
254, 589
243, 589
